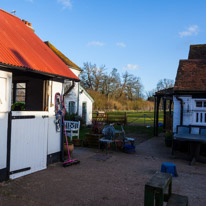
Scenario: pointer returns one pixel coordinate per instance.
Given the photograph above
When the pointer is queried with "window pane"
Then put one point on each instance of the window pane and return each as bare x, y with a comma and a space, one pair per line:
71, 107
198, 103
20, 94
197, 117
204, 103
20, 99
21, 85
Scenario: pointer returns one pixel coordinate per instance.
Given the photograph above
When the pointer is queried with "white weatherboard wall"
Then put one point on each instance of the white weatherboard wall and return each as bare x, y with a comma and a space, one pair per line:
89, 104
73, 94
189, 111
5, 99
54, 137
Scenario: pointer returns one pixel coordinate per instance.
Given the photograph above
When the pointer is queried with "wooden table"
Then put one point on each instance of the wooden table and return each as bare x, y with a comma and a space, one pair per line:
158, 189
195, 141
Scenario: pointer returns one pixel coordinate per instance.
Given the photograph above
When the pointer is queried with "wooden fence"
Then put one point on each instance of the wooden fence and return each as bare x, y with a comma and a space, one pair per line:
107, 117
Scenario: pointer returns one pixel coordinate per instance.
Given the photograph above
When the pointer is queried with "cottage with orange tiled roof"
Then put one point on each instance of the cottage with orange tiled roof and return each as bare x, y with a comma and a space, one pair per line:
30, 76
188, 96
77, 101
190, 89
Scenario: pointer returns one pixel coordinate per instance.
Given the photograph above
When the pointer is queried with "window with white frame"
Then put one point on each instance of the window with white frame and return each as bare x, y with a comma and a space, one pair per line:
200, 104
199, 112
71, 108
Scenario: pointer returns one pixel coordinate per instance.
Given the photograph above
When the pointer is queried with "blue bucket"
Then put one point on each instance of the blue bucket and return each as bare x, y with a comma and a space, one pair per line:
129, 148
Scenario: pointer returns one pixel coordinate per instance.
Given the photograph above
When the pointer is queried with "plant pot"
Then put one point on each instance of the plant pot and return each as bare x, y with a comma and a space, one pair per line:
71, 148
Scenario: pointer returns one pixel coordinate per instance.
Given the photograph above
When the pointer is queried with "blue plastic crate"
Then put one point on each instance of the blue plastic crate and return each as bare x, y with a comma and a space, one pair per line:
129, 148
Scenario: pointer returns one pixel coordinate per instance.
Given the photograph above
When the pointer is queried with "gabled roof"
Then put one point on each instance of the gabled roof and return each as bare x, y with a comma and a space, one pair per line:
191, 73
65, 59
21, 48
86, 93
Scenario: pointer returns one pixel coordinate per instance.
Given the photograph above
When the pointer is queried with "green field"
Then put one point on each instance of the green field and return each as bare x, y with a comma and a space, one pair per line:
136, 122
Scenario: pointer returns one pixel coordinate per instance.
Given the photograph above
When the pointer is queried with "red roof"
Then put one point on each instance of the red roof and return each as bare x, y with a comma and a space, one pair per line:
21, 47
191, 75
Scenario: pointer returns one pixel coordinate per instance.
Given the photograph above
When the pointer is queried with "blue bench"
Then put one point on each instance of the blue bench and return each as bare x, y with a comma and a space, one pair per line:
195, 136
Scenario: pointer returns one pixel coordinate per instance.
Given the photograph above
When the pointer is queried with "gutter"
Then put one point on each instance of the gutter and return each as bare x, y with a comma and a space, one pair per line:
181, 110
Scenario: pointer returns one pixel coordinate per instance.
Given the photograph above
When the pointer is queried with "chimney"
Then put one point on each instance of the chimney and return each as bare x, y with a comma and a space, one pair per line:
28, 24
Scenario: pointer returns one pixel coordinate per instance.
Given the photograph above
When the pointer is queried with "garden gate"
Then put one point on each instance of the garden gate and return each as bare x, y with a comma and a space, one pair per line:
28, 152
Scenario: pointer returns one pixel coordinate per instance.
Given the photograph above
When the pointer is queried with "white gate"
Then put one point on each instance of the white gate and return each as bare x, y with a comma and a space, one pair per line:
28, 143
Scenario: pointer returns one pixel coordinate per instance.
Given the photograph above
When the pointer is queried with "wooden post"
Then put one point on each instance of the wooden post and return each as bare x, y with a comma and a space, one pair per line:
125, 116
170, 107
62, 140
164, 110
155, 106
157, 102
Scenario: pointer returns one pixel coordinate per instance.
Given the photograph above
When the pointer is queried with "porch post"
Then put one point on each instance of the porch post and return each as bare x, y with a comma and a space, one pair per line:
155, 107
157, 115
62, 140
164, 110
8, 144
170, 107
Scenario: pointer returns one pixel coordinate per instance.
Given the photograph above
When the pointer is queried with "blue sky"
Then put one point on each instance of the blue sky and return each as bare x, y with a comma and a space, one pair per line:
147, 38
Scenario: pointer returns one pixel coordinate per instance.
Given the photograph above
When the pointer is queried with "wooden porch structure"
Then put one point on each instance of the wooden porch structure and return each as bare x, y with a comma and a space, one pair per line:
166, 98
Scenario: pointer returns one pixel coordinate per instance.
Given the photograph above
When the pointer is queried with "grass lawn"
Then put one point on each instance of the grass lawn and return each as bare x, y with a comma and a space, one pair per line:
137, 117
137, 122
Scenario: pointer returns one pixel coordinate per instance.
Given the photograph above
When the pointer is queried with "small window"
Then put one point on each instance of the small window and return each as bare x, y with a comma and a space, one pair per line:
204, 103
20, 92
71, 108
198, 103
18, 96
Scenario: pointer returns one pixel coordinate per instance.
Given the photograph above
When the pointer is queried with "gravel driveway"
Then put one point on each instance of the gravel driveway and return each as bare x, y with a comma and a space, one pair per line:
117, 181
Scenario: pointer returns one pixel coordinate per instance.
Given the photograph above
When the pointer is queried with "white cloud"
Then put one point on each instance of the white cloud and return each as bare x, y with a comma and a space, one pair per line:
190, 31
95, 43
131, 67
65, 3
121, 44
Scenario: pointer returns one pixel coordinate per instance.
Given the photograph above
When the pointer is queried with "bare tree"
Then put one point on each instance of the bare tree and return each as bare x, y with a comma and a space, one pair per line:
91, 76
165, 84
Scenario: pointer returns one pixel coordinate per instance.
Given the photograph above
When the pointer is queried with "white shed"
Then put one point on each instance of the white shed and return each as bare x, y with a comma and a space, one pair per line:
30, 76
190, 89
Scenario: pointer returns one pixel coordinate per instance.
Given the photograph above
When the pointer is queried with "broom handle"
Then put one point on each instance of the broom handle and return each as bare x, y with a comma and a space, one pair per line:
63, 114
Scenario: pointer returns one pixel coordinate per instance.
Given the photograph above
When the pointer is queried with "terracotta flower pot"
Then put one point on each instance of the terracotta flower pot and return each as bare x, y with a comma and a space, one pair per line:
71, 148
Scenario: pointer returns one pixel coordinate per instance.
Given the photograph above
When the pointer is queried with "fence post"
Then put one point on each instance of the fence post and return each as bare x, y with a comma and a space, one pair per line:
107, 117
144, 119
125, 118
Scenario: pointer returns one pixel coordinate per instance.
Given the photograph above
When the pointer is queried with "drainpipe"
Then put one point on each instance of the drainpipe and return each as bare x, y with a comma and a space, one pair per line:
78, 100
69, 89
181, 109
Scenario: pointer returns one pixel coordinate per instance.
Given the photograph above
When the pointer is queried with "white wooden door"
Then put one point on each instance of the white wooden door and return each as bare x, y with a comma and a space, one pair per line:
5, 105
28, 143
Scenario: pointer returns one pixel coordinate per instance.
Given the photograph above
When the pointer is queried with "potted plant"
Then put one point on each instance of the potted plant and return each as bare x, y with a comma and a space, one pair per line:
168, 139
70, 145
